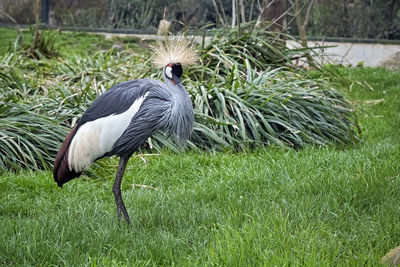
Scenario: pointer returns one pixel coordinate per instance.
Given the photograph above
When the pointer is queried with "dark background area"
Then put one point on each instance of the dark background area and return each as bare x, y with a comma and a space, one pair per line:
375, 19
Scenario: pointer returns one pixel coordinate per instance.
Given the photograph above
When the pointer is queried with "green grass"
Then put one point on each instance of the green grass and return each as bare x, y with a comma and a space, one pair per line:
273, 206
69, 43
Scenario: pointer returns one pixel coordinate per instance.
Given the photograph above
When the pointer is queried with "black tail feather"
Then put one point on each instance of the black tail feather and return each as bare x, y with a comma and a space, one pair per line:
61, 171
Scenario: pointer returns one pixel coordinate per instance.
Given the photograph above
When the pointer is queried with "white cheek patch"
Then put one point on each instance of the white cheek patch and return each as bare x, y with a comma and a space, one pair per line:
168, 72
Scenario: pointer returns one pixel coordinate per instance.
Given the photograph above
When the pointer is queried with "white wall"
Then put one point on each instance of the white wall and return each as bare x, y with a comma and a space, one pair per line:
353, 53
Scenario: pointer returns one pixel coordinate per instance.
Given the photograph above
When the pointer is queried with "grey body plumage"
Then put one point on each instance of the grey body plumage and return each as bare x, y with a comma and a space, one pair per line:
167, 107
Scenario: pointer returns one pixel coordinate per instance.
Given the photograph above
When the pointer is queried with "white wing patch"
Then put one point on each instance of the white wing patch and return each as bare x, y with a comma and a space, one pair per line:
95, 138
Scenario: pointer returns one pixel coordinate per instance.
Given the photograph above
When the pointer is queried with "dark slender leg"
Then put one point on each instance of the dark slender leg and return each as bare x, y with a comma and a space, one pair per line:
117, 189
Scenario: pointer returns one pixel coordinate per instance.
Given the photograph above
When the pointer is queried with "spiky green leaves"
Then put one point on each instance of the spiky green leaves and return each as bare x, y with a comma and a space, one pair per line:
271, 108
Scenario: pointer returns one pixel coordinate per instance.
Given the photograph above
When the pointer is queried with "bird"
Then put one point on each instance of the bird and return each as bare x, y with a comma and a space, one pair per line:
119, 121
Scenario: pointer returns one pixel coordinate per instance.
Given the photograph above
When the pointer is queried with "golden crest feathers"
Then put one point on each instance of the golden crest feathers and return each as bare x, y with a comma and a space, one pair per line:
175, 50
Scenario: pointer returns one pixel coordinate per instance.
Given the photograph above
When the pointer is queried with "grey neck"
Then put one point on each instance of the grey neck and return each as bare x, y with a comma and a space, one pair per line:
181, 118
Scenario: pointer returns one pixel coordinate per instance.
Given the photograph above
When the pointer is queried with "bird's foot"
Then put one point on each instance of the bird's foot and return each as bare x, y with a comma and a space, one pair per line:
128, 220
121, 208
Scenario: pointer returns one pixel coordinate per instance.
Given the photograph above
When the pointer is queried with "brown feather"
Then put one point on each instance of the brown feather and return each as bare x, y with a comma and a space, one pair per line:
61, 171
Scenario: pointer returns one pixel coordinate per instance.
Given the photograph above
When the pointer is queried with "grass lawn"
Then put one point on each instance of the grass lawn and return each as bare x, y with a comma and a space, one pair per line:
69, 43
274, 206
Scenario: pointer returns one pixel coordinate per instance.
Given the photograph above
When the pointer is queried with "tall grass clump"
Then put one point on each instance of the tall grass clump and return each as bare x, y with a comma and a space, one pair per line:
229, 48
27, 139
29, 136
248, 91
36, 43
272, 107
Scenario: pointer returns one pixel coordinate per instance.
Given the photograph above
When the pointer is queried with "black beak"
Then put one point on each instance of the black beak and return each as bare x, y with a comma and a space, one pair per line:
176, 79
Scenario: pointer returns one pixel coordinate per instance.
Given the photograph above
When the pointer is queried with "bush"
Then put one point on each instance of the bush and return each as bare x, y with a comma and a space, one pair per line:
249, 92
27, 139
274, 107
261, 48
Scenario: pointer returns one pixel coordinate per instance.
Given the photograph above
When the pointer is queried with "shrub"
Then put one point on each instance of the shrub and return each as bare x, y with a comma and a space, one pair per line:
27, 139
273, 107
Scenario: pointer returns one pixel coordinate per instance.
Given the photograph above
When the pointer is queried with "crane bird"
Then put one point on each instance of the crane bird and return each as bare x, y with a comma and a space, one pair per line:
123, 118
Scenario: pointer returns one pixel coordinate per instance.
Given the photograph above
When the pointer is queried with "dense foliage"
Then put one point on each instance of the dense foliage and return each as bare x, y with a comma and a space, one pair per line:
359, 19
240, 101
249, 92
378, 19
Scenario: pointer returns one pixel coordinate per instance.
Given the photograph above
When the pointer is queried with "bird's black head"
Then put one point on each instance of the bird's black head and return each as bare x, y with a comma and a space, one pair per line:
173, 72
